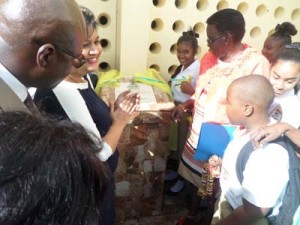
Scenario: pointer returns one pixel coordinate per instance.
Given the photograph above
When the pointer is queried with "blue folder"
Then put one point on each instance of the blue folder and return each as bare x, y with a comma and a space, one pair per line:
213, 140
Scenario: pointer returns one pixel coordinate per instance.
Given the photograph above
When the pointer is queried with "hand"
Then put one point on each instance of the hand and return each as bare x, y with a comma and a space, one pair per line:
187, 88
266, 134
176, 112
120, 98
125, 108
215, 161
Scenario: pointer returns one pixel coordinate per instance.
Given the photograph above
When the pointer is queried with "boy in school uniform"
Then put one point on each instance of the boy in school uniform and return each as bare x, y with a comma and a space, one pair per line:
266, 174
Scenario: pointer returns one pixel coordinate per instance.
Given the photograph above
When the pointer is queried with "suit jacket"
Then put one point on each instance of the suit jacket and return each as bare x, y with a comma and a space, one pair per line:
9, 100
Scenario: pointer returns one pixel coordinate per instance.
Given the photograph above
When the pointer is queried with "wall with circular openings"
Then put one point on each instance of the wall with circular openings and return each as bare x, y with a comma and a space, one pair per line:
180, 4
157, 24
178, 26
169, 18
223, 4
202, 5
243, 7
158, 3
104, 19
155, 48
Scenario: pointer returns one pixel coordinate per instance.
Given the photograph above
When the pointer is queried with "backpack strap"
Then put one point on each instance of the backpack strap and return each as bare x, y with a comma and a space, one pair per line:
291, 199
245, 153
242, 159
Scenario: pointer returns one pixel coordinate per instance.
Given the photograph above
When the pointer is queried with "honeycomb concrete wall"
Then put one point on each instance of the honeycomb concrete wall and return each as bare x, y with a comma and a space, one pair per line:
138, 34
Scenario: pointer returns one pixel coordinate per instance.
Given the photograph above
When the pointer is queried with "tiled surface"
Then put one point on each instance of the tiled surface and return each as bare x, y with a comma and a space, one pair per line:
173, 208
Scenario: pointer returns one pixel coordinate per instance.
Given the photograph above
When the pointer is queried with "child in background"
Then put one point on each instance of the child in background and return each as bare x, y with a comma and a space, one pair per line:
276, 41
184, 79
183, 83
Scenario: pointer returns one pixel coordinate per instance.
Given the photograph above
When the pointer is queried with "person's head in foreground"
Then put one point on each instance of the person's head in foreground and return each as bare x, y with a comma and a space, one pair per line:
41, 40
50, 173
285, 69
248, 101
278, 39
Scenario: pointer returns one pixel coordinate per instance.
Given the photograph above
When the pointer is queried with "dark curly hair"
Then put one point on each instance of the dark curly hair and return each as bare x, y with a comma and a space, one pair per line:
191, 37
284, 32
50, 172
229, 20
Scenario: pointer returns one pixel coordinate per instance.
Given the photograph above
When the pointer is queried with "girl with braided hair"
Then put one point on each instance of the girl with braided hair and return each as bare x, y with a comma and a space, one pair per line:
277, 40
183, 83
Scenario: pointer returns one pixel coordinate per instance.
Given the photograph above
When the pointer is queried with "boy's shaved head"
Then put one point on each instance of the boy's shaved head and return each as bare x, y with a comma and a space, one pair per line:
253, 89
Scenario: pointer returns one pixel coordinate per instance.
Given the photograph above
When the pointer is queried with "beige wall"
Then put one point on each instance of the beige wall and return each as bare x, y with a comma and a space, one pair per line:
142, 33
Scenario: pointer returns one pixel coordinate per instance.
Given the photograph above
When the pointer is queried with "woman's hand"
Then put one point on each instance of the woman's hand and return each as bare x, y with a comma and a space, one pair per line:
266, 134
176, 112
121, 111
125, 108
187, 88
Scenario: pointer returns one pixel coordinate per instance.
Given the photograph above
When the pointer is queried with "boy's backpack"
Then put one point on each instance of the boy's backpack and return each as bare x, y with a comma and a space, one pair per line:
291, 199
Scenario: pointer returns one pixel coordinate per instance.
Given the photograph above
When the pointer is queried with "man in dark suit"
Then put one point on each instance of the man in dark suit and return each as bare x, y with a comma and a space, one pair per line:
39, 43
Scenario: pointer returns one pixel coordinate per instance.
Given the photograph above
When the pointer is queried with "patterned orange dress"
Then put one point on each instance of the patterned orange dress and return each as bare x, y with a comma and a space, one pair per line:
209, 106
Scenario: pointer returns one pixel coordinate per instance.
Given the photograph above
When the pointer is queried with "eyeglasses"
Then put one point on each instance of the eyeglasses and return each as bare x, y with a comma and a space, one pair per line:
211, 41
77, 61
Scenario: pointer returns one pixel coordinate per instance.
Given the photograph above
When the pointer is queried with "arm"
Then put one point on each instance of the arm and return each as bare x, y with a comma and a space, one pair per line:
179, 109
187, 88
271, 132
245, 215
122, 111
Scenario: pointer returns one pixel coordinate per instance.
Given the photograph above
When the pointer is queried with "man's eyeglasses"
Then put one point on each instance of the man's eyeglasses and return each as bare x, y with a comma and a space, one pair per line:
211, 41
77, 61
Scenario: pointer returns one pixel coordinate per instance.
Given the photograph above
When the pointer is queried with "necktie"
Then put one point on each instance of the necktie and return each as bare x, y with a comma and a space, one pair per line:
30, 104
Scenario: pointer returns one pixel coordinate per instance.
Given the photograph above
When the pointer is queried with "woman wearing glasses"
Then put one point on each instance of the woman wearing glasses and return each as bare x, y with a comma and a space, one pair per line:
228, 59
74, 99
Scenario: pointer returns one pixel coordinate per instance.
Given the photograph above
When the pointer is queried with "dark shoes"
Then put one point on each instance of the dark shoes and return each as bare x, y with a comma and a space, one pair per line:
173, 194
172, 175
178, 186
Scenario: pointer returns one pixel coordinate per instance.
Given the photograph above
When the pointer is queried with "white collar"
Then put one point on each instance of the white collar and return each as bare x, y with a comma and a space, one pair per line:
72, 85
192, 66
17, 87
287, 94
